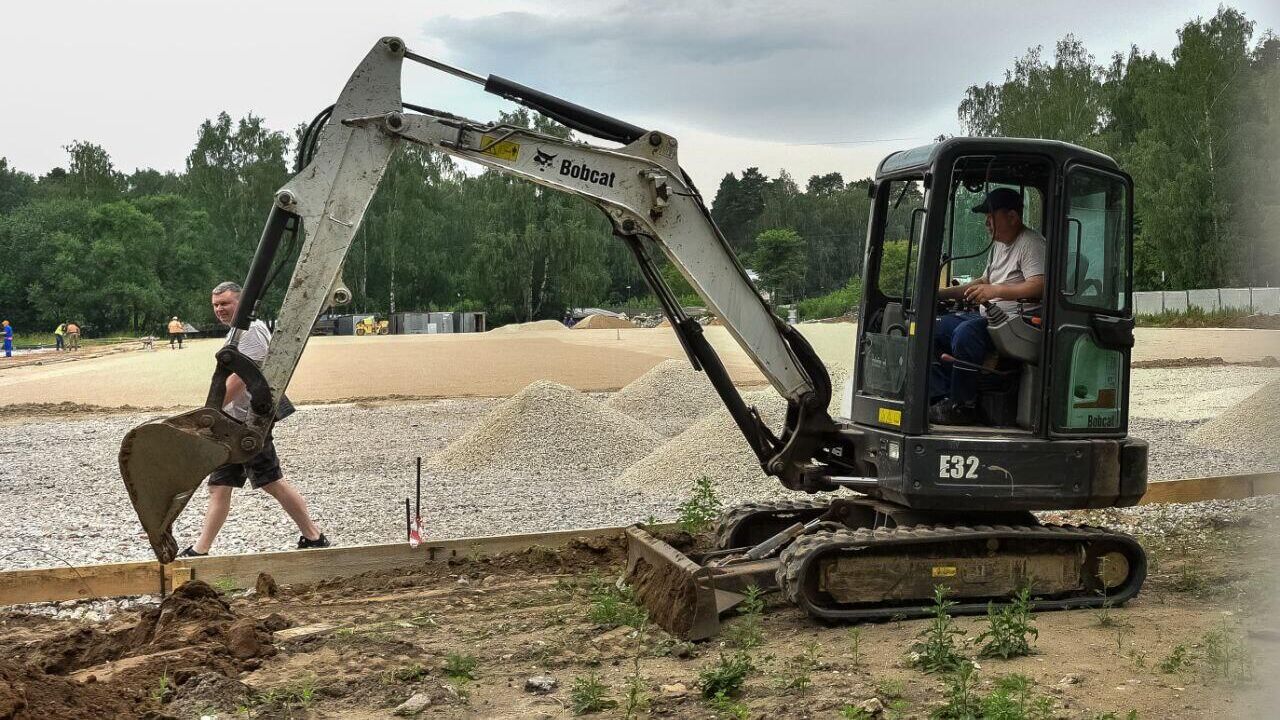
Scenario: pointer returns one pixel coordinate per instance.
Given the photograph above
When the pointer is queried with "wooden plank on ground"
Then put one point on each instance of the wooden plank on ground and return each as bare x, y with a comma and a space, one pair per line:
75, 583
1230, 487
300, 566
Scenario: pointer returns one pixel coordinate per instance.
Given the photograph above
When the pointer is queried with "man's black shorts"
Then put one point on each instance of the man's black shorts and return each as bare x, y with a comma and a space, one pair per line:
263, 469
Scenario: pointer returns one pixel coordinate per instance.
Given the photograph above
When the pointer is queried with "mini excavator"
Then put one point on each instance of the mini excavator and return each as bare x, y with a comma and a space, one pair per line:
919, 504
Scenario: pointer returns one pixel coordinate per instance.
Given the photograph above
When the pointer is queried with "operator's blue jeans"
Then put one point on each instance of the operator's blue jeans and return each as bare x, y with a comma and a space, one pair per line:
963, 336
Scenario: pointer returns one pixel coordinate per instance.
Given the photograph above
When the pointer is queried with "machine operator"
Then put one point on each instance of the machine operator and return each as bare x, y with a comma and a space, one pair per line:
1013, 280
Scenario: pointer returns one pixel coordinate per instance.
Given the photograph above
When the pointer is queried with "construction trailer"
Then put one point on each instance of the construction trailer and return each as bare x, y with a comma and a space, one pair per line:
421, 323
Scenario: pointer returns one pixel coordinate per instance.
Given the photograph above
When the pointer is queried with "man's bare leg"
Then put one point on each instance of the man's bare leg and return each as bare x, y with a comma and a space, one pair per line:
214, 517
294, 504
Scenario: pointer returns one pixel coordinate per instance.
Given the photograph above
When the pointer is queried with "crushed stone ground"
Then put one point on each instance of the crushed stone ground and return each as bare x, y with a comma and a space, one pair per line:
63, 499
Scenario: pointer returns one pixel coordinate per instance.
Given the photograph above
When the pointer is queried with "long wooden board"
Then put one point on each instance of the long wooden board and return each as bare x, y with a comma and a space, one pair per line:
141, 578
294, 566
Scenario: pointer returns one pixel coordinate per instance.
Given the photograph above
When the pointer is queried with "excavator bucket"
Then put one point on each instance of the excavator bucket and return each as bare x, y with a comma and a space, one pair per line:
162, 463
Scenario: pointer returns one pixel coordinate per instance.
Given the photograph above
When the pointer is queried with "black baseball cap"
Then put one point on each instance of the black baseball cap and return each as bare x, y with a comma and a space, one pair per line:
1000, 199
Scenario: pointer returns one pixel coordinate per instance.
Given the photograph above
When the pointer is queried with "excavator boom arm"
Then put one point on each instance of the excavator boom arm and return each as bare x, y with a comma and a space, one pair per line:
640, 187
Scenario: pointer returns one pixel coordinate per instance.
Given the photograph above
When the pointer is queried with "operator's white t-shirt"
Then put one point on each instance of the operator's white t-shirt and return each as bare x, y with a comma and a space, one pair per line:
253, 345
1014, 263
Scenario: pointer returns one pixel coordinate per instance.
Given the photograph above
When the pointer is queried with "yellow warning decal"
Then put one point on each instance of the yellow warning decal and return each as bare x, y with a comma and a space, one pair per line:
501, 149
889, 416
944, 570
912, 329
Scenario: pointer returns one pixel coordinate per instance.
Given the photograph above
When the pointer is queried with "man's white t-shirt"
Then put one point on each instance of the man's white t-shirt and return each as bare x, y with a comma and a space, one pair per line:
253, 345
1014, 263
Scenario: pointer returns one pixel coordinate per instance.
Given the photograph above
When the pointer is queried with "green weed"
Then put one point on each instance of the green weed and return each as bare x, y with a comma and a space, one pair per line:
726, 707
797, 671
1226, 654
405, 674
938, 651
701, 509
855, 644
589, 695
725, 676
1177, 659
225, 585
746, 632
1012, 698
613, 605
163, 688
853, 712
461, 667
1008, 628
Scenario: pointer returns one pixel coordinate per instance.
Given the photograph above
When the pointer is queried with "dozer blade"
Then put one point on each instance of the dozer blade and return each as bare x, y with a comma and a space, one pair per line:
163, 462
677, 592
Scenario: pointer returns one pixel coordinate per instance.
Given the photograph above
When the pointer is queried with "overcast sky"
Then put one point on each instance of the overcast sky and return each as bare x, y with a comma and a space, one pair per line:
774, 84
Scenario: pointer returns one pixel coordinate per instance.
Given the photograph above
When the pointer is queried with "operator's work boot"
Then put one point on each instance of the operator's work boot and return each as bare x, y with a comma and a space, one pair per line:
949, 412
320, 542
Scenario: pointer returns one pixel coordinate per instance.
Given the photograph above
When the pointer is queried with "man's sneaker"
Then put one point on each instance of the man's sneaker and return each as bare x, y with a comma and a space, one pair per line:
948, 412
320, 542
191, 552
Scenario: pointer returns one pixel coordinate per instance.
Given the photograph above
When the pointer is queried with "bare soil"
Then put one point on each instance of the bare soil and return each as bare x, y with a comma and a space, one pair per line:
394, 635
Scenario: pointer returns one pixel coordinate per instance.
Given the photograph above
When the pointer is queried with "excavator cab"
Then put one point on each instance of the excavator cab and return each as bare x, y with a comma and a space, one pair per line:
1053, 397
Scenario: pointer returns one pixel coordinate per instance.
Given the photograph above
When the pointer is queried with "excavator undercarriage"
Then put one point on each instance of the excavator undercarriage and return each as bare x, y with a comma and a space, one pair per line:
859, 559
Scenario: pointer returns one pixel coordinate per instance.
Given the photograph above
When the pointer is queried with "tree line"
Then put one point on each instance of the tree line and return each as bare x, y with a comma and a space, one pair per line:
118, 251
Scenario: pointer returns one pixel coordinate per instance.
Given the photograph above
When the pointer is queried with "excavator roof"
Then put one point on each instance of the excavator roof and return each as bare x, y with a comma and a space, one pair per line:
918, 159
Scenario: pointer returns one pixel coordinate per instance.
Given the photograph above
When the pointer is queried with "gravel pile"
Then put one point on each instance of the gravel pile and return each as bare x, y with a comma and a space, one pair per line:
604, 322
535, 326
712, 447
1253, 425
548, 429
669, 398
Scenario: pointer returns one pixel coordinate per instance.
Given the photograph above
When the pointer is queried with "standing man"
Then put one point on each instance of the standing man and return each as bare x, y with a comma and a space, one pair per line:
1013, 280
8, 339
73, 336
175, 332
264, 468
58, 333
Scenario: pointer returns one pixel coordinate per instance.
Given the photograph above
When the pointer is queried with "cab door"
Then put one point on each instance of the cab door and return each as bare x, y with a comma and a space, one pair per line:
1093, 315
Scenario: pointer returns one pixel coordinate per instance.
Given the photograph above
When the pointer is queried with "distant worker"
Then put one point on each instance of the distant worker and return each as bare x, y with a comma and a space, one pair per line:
263, 469
73, 336
58, 334
175, 332
8, 339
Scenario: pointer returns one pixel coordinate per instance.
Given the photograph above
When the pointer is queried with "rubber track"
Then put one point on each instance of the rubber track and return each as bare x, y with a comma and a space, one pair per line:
799, 556
729, 520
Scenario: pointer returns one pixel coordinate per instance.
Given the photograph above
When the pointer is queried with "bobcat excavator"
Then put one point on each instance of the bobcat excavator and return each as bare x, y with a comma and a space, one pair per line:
920, 504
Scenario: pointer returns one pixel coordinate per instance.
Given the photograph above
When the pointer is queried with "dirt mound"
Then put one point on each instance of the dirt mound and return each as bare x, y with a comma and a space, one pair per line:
1252, 425
712, 447
111, 671
26, 693
535, 326
603, 322
548, 428
669, 398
